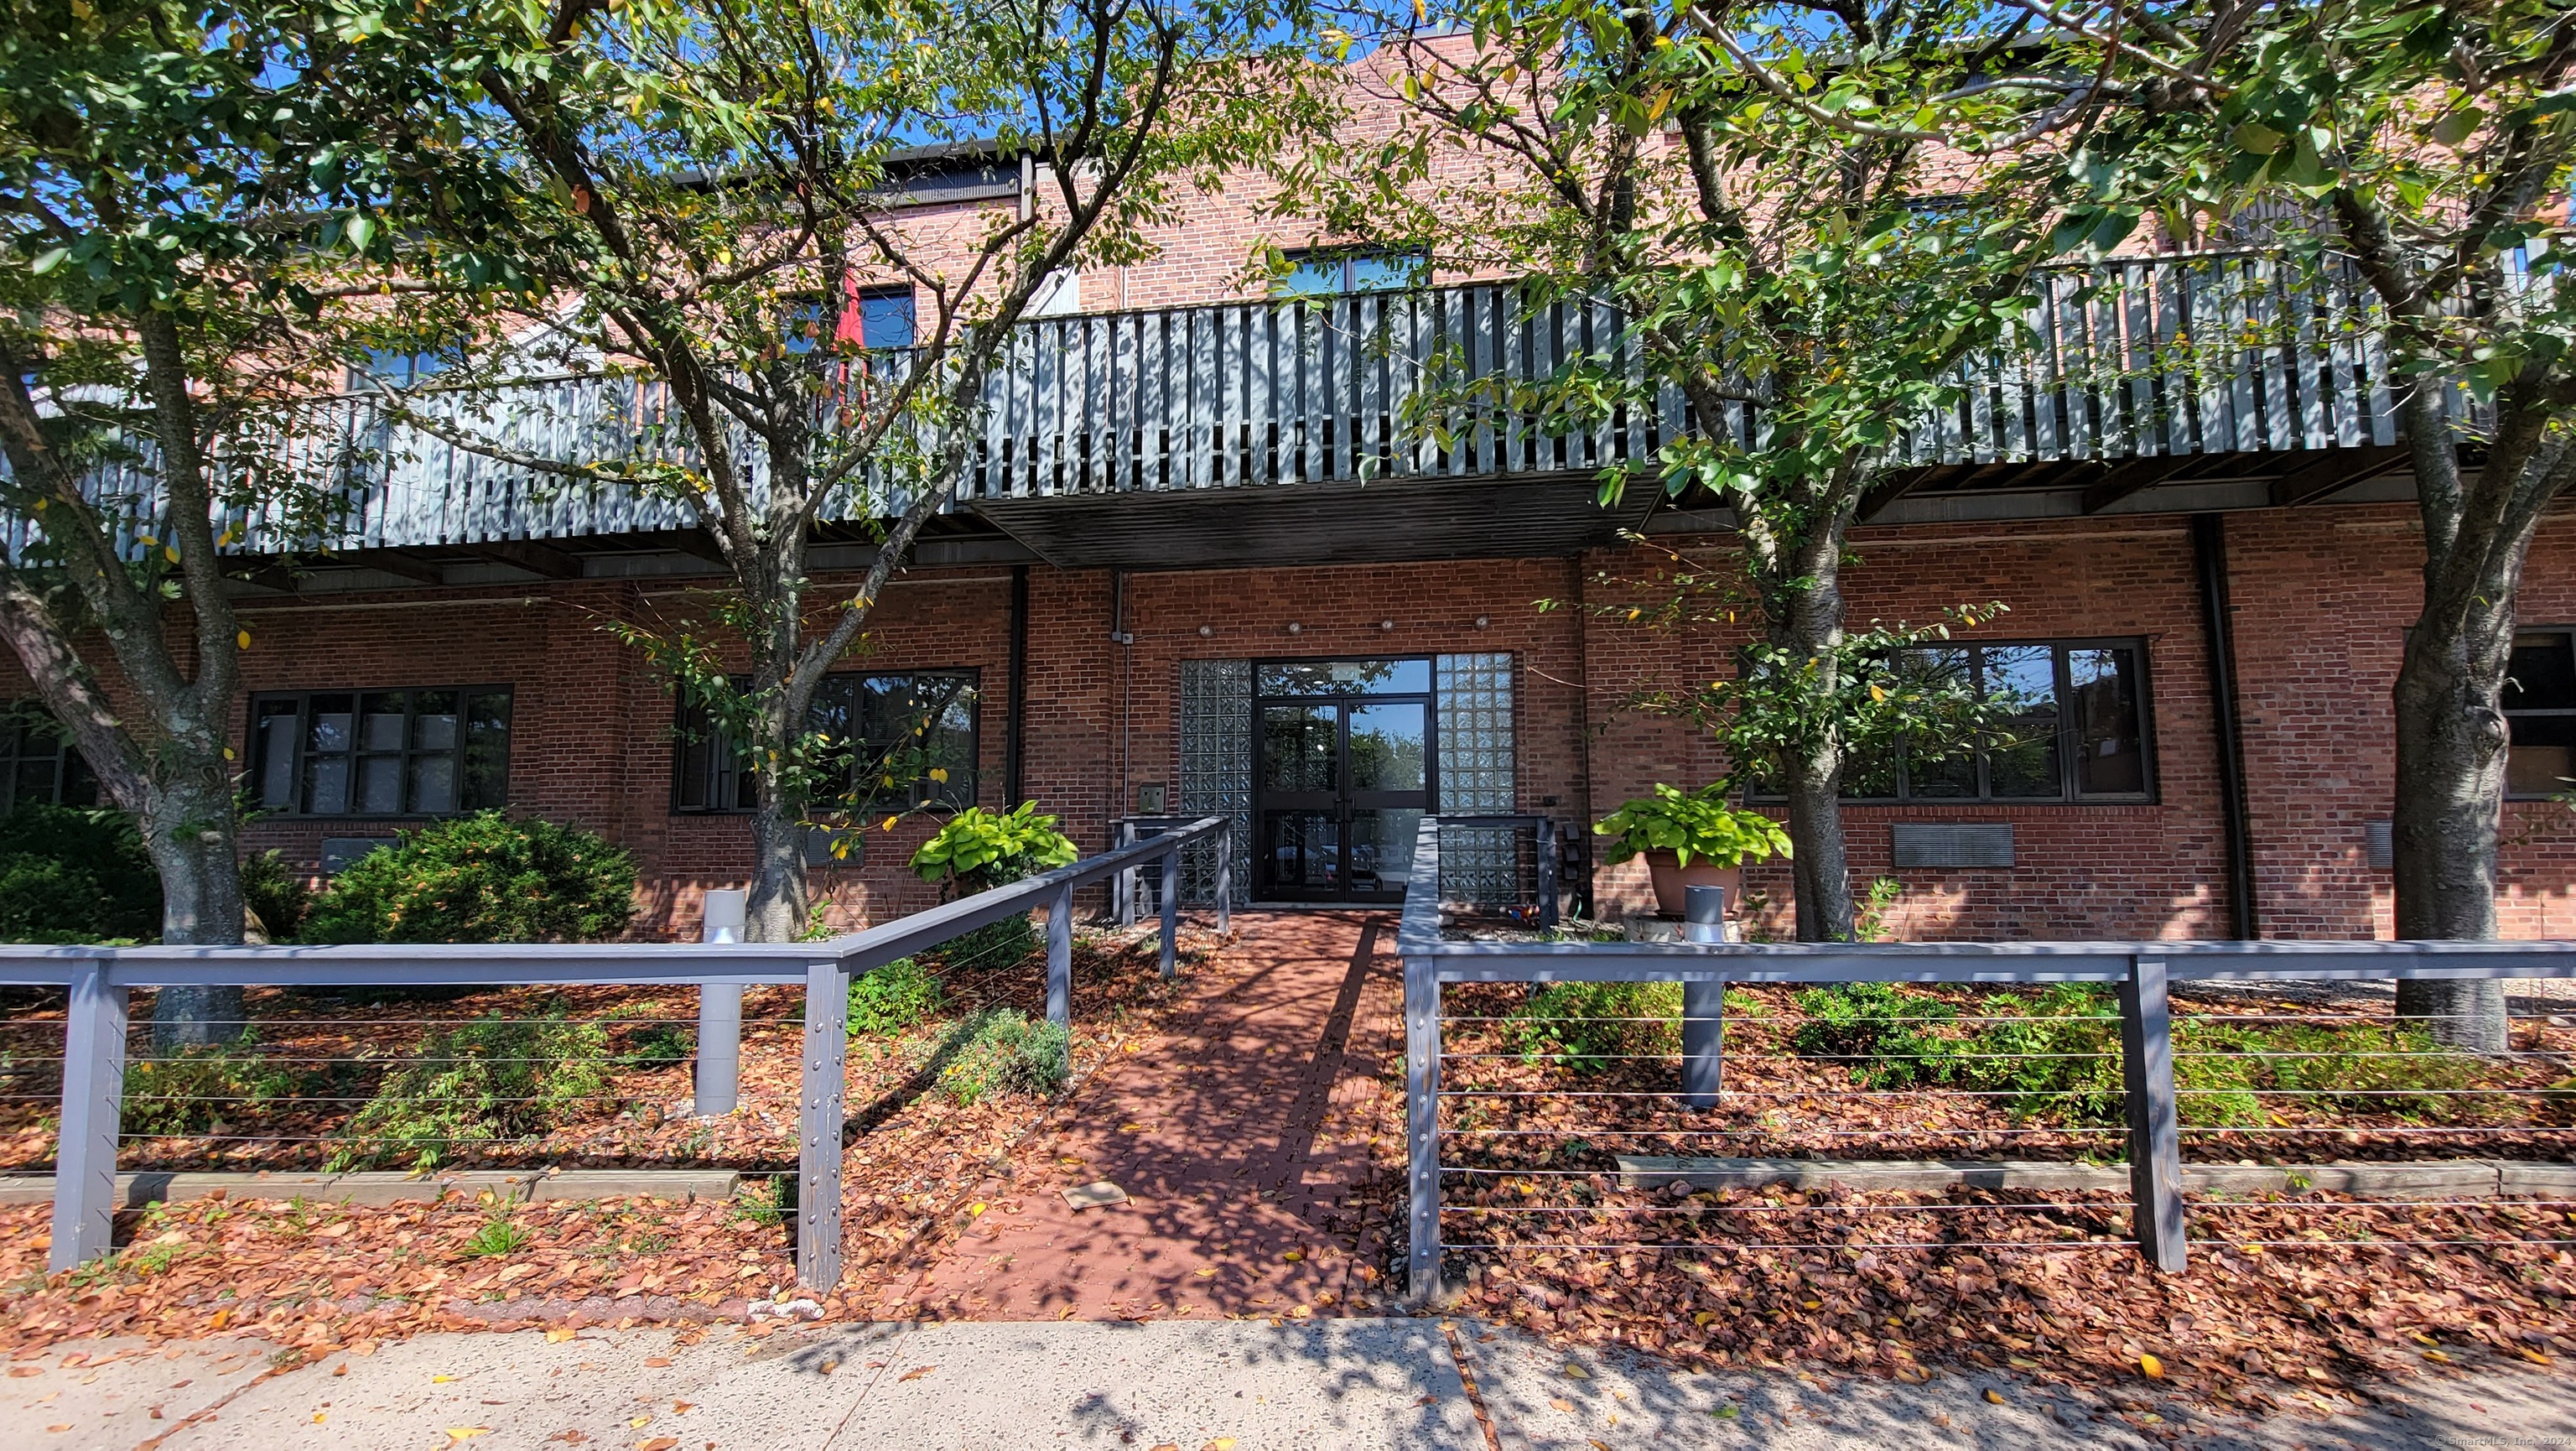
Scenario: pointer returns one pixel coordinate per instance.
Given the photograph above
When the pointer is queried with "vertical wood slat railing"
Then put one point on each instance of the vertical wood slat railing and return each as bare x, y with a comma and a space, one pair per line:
100, 981
2140, 972
2129, 358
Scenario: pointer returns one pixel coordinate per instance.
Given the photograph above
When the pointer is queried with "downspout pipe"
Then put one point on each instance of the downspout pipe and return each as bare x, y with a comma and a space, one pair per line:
2209, 563
1014, 774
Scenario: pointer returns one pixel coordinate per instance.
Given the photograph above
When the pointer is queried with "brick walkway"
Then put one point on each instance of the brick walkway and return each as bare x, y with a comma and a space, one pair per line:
1239, 1135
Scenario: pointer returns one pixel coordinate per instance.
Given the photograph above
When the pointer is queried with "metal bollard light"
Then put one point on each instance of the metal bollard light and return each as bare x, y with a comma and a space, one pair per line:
719, 1085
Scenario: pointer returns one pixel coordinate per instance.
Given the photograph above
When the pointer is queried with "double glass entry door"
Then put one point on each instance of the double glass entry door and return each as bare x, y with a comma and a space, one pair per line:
1344, 776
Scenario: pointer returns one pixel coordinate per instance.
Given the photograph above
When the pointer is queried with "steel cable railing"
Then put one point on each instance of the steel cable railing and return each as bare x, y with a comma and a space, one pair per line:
461, 1082
1571, 1097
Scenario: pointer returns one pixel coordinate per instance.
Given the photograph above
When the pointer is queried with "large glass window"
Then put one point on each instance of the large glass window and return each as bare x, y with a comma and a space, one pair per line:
2076, 727
1332, 273
903, 740
439, 751
38, 762
2540, 711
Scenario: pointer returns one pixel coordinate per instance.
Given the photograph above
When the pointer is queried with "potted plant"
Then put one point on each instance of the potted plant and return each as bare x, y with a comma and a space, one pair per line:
1691, 839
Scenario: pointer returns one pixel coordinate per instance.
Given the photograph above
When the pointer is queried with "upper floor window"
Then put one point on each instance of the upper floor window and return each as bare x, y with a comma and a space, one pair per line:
38, 762
433, 752
398, 368
1334, 273
2540, 711
903, 740
2078, 732
886, 317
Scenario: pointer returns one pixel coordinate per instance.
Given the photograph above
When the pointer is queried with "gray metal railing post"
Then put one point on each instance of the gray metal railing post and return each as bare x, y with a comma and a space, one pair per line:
1059, 948
2155, 1138
1422, 1127
1703, 1042
1172, 913
93, 1094
718, 1089
1225, 880
821, 1116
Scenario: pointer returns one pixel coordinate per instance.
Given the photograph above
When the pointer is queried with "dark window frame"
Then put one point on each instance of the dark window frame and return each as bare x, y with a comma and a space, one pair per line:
720, 762
2567, 636
1343, 260
29, 736
299, 804
2069, 793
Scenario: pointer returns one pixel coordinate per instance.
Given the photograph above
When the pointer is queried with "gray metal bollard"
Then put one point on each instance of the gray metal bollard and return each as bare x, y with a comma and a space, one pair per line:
1171, 889
719, 1085
93, 1107
1059, 953
822, 1115
1703, 1042
2155, 1140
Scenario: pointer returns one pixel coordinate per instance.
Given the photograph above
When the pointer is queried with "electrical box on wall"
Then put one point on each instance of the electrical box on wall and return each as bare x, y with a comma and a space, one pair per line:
1153, 799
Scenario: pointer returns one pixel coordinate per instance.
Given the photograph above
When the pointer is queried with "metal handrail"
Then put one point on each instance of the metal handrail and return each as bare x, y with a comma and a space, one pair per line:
2142, 971
100, 978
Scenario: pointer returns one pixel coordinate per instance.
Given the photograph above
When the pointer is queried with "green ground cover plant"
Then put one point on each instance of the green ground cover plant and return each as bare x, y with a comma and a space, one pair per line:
490, 1078
1008, 1052
186, 1092
893, 998
1588, 1025
2055, 1055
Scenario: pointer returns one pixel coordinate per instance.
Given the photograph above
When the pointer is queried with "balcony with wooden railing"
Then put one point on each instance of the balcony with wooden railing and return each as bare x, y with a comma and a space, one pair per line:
1268, 431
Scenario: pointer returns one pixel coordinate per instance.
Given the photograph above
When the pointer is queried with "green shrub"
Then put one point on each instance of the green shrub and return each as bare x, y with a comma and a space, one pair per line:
1008, 1052
74, 875
892, 998
1887, 1033
481, 878
491, 1078
187, 1093
2063, 1062
275, 894
1585, 1025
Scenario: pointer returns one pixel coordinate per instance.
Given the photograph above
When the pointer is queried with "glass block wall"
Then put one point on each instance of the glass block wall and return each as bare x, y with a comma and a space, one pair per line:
1216, 769
1472, 697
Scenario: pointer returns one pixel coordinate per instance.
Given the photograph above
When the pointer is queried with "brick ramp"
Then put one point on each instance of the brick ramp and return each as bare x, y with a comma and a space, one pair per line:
1240, 1135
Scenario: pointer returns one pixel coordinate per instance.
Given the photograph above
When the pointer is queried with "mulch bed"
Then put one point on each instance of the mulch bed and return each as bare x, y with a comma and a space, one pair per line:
2286, 1300
315, 1277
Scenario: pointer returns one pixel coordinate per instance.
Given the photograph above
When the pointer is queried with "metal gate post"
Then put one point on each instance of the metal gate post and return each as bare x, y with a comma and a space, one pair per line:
2155, 1138
93, 1093
1703, 1042
1172, 913
1548, 872
821, 1116
1225, 879
1060, 959
1125, 881
1422, 1127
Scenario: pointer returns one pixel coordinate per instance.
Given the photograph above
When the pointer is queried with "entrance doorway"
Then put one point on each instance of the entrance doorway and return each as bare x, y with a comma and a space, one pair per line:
1346, 758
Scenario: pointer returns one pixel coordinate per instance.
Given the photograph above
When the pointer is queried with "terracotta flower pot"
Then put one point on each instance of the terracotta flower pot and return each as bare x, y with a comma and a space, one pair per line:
1672, 880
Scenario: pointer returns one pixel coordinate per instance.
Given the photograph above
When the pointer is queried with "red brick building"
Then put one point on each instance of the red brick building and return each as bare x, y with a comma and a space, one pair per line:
1197, 567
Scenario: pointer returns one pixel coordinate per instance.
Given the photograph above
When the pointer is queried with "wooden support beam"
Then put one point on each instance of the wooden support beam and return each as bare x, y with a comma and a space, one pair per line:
2338, 469
542, 560
2131, 477
699, 543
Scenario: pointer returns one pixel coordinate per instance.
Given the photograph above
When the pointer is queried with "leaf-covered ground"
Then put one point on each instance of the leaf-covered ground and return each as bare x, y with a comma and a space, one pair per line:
324, 1276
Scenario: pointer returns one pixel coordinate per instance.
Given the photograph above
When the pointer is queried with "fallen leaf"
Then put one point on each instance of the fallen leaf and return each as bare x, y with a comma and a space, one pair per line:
640, 1421
2154, 1368
59, 1427
1293, 1256
657, 1361
466, 1433
570, 1438
28, 1370
658, 1443
1727, 1413
682, 1408
558, 1337
1206, 1273
1578, 1372
2529, 1354
1221, 1443
1994, 1397
916, 1373
317, 1418
440, 1380
2437, 1357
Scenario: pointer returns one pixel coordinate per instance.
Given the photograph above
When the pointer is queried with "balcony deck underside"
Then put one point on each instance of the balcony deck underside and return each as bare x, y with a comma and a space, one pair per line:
1337, 523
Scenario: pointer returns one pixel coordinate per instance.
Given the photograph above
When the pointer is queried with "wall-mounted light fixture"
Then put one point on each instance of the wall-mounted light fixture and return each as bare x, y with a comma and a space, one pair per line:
1483, 620
1295, 629
1386, 624
1207, 632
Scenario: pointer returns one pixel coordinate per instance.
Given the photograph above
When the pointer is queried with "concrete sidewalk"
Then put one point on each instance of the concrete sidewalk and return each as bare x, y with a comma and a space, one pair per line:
1237, 1385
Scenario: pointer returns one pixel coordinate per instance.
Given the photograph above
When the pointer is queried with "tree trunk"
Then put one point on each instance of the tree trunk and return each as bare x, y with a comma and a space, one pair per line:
776, 909
2451, 746
1807, 619
189, 831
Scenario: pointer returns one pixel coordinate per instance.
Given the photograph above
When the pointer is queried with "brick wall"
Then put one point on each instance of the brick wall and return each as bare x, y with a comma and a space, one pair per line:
2322, 600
